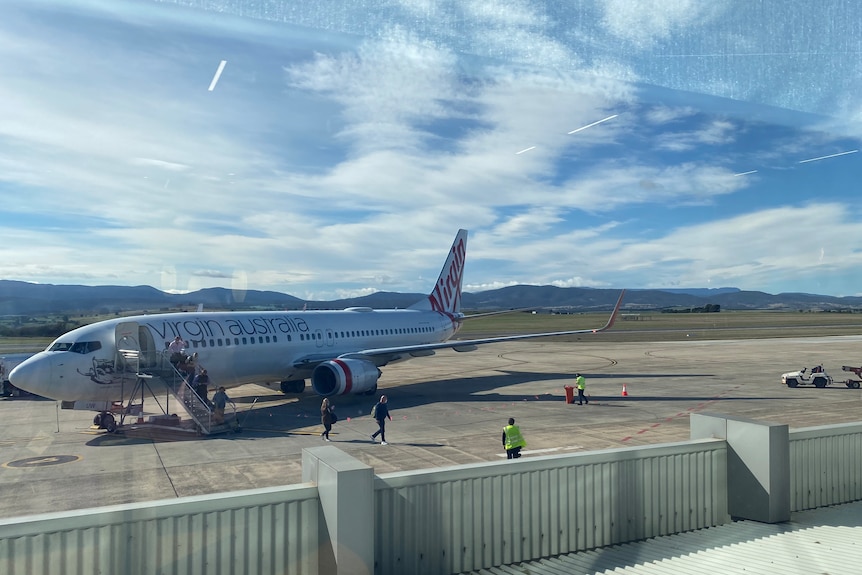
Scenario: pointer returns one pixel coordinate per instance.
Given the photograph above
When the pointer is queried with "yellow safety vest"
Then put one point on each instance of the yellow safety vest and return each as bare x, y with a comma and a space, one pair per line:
513, 437
582, 382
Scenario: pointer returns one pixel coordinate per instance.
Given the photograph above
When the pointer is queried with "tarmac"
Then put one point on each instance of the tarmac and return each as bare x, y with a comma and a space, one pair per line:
447, 410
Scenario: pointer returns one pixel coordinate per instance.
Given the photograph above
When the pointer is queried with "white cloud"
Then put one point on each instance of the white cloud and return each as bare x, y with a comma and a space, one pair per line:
645, 22
384, 88
607, 187
667, 114
717, 132
351, 169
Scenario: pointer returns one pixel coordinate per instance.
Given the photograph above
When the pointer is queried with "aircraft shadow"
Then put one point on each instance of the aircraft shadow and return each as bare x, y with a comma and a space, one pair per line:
270, 416
306, 411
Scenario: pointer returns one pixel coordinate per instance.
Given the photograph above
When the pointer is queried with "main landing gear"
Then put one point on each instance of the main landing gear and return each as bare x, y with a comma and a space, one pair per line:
105, 421
293, 386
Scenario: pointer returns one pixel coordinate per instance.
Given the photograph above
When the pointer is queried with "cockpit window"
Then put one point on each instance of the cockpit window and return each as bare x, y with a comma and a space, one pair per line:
81, 347
85, 347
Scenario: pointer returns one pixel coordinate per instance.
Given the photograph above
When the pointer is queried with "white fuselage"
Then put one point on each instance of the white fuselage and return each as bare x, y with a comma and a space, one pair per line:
235, 347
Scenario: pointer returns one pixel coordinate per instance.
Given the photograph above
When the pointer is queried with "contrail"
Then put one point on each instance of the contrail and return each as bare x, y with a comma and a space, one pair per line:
594, 123
217, 75
829, 156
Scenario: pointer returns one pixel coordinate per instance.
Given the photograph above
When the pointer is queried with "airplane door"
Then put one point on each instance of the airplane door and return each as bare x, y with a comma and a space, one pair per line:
126, 337
318, 338
330, 338
147, 345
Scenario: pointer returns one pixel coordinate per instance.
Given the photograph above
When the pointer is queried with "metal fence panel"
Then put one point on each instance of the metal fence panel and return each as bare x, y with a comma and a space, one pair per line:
478, 516
825, 466
265, 531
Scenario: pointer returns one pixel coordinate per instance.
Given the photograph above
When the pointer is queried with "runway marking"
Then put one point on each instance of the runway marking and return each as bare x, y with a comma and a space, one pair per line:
217, 75
43, 461
700, 406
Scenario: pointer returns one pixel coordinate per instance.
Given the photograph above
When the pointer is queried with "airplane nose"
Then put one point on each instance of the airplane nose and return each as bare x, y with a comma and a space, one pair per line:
33, 375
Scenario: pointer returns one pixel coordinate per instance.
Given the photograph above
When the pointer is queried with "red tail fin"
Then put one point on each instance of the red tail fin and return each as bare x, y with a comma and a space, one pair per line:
446, 295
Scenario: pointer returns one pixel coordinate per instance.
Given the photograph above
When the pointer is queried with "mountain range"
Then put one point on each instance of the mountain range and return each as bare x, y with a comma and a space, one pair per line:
23, 298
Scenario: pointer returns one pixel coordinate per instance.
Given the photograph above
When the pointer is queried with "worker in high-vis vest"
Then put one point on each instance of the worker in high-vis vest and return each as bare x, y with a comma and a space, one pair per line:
513, 441
581, 382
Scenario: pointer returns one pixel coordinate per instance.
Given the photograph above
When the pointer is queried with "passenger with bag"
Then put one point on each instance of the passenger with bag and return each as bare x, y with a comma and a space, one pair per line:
327, 418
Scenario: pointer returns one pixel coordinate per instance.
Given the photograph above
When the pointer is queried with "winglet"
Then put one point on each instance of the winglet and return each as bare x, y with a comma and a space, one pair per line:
446, 295
614, 315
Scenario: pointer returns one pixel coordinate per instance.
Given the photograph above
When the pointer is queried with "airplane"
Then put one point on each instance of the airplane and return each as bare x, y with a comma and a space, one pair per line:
341, 351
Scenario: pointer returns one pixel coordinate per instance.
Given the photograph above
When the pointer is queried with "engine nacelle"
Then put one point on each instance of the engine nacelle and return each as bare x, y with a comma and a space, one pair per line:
344, 376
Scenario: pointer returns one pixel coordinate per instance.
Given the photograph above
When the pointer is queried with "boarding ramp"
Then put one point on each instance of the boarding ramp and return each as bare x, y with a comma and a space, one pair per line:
161, 377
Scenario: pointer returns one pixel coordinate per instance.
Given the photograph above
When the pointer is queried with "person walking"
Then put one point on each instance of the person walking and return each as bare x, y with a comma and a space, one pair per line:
380, 412
220, 400
327, 418
513, 441
201, 383
582, 386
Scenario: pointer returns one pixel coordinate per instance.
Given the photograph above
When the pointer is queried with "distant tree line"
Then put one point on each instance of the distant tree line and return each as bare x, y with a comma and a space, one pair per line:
26, 326
708, 308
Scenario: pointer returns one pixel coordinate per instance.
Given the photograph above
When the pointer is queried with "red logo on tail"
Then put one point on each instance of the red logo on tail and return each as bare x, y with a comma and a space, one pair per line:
446, 296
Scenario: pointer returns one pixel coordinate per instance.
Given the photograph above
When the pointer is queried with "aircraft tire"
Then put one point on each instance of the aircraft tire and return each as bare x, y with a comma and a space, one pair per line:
97, 420
109, 423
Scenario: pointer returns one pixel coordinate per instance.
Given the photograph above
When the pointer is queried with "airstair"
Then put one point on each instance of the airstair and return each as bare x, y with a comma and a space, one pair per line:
162, 379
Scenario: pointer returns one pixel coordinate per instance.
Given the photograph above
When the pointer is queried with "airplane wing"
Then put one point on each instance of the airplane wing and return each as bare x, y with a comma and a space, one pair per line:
387, 354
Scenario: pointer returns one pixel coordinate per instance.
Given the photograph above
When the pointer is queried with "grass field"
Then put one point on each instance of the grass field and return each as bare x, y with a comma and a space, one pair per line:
629, 327
672, 327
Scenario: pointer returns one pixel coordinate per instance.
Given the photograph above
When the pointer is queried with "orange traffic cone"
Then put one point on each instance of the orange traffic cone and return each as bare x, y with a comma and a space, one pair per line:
625, 393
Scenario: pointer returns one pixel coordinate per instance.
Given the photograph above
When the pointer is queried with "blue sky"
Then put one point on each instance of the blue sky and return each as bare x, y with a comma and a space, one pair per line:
343, 145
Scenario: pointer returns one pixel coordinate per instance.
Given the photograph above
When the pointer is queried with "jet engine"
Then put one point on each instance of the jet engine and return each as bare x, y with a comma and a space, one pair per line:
345, 376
